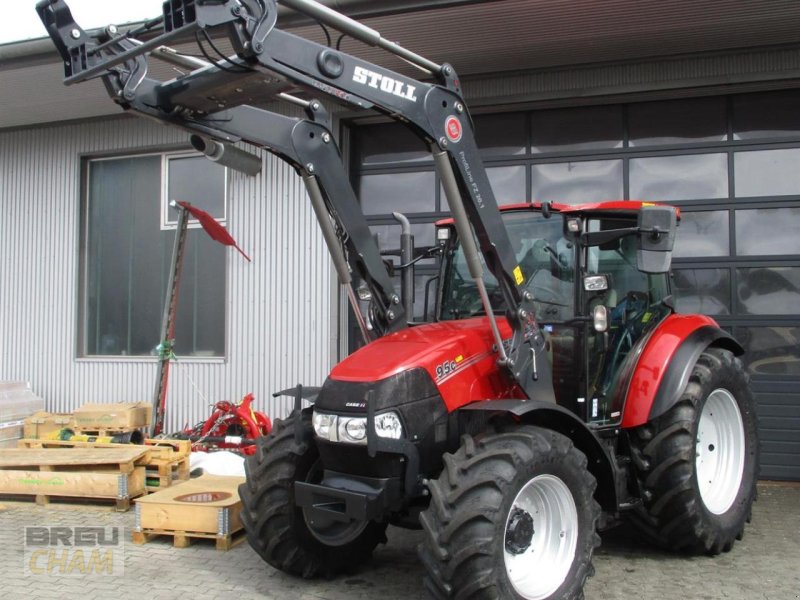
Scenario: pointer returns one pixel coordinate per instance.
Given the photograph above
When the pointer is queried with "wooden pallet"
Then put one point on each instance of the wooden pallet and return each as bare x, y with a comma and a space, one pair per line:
158, 449
55, 473
162, 473
183, 539
172, 512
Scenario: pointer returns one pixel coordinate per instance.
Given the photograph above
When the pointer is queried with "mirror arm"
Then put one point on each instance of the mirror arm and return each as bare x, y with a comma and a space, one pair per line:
595, 238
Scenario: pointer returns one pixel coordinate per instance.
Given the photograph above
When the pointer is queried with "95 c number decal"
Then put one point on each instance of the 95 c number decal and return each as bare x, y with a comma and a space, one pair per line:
448, 367
445, 369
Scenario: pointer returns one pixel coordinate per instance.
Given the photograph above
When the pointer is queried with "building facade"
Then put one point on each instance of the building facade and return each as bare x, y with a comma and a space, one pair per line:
572, 104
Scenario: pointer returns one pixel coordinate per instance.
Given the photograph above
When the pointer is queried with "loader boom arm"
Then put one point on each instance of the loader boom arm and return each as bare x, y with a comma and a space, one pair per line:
434, 111
305, 143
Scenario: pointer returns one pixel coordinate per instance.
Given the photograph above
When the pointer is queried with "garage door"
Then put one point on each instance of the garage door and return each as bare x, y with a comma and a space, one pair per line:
732, 163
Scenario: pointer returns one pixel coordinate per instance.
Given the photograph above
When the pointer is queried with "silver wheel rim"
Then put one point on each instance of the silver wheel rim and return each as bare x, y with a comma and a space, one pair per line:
720, 451
540, 569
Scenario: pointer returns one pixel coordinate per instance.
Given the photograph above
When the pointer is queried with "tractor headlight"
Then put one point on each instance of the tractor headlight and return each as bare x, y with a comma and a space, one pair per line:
388, 425
325, 426
353, 430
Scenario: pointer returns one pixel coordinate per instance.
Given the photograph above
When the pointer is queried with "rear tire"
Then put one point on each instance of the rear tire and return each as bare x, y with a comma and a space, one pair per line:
276, 528
511, 516
698, 463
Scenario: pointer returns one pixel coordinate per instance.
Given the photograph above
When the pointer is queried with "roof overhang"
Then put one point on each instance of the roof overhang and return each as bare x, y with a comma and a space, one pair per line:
478, 37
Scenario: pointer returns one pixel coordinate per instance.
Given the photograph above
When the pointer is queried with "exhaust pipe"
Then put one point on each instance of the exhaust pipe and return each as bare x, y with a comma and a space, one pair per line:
227, 155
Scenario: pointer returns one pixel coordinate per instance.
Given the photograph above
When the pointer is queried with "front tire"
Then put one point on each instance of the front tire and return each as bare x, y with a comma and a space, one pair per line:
277, 529
511, 516
698, 463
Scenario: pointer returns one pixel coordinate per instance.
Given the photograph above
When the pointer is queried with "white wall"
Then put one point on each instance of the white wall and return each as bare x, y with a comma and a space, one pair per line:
281, 314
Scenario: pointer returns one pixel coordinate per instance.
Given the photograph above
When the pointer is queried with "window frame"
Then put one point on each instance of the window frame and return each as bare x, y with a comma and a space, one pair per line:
81, 293
167, 223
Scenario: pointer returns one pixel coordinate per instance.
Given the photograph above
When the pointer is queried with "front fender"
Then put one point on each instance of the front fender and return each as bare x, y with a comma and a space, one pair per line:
666, 363
552, 416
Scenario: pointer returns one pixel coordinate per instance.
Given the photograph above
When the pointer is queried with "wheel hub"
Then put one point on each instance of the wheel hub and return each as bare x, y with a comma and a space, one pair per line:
519, 531
720, 451
538, 561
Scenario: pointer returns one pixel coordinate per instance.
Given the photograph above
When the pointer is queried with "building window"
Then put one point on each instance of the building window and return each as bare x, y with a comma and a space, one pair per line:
127, 247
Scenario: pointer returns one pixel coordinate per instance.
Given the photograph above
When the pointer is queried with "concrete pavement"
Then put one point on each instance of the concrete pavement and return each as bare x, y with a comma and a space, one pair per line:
763, 566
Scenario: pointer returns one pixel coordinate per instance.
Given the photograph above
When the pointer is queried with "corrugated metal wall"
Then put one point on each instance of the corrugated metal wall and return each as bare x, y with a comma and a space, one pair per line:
281, 314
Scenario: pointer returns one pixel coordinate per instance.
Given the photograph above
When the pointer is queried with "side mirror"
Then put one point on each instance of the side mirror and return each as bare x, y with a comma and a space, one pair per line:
657, 228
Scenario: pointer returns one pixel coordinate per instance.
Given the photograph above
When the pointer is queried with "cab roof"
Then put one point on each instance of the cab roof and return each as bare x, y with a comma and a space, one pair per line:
630, 207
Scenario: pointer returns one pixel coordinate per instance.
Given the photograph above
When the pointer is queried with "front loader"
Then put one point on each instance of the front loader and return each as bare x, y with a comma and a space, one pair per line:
556, 393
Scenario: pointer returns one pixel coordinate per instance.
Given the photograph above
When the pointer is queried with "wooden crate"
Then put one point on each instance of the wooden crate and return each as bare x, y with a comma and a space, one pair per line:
43, 424
168, 512
120, 416
94, 473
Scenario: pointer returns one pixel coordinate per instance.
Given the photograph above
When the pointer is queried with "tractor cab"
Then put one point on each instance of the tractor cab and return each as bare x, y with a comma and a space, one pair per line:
600, 284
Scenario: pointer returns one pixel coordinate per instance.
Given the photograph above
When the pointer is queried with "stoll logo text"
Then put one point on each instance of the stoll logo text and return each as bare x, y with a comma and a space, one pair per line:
81, 551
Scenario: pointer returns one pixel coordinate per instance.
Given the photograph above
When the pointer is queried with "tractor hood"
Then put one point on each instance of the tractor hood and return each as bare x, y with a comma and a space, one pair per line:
458, 356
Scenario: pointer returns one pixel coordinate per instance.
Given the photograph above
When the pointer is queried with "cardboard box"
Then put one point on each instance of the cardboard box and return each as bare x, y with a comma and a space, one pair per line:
41, 424
121, 416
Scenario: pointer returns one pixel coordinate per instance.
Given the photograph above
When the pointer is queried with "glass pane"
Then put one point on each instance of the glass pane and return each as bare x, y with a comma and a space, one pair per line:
566, 129
766, 115
577, 182
767, 231
702, 234
125, 244
545, 257
692, 177
128, 260
702, 291
387, 143
508, 184
768, 290
419, 295
501, 134
198, 181
200, 326
677, 121
771, 350
767, 172
404, 192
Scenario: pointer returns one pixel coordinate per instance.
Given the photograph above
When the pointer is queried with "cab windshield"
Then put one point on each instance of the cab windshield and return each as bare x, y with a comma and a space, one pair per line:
547, 260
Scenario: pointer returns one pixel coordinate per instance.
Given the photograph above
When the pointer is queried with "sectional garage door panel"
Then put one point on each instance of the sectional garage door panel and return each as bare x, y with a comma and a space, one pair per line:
779, 423
730, 162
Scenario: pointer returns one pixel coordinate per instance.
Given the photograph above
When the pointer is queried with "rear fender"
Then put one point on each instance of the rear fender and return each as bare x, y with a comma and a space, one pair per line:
552, 416
666, 363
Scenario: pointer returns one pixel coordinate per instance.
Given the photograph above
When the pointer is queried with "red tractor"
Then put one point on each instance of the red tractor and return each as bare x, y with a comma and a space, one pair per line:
556, 391
653, 420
